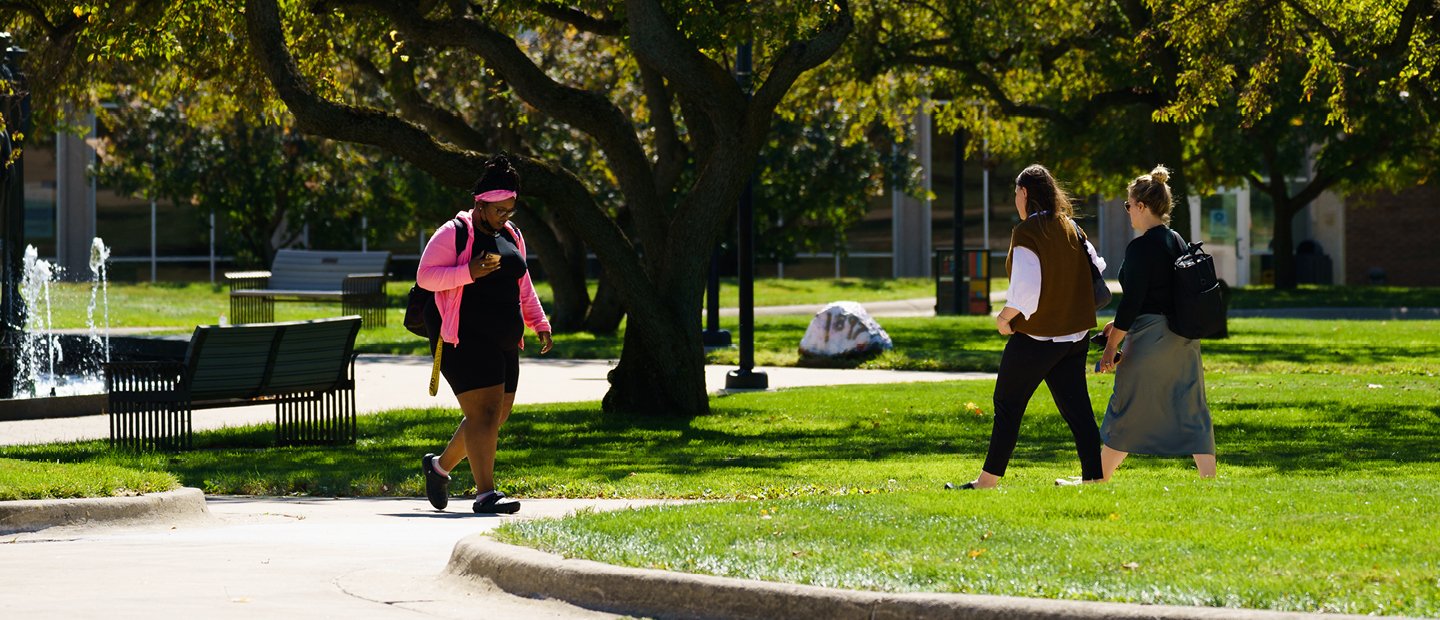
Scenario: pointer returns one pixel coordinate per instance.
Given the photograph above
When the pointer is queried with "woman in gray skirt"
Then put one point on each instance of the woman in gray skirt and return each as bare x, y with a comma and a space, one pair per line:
1159, 402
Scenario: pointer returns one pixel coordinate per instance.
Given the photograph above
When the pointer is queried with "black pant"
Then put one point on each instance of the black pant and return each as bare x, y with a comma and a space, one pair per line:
1061, 365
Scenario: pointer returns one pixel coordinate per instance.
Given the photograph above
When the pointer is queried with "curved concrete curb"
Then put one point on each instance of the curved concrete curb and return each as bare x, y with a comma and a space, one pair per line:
654, 593
37, 514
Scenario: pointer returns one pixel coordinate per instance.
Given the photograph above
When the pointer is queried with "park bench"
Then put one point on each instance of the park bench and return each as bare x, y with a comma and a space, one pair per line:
356, 279
306, 368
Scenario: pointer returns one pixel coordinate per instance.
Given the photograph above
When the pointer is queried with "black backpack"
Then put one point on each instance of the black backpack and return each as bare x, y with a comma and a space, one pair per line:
1199, 297
422, 316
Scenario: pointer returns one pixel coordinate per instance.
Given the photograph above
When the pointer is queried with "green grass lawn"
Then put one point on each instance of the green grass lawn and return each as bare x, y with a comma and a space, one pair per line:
50, 480
1329, 476
184, 305
1326, 499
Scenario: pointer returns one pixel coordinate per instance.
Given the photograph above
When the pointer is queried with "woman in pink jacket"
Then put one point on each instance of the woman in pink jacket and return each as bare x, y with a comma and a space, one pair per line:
486, 300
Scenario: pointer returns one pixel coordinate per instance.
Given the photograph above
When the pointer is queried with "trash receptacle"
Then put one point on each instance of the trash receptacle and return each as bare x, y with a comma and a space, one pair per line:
974, 282
1312, 264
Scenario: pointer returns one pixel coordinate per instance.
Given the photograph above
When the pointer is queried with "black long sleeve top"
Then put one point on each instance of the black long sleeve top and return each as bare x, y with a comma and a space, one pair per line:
1146, 276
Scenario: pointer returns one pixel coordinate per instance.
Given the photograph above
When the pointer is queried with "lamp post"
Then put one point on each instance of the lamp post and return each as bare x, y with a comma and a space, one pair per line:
16, 107
961, 293
746, 378
713, 336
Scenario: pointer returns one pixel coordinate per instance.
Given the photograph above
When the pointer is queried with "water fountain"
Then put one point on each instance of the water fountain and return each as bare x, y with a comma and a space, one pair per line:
44, 373
58, 374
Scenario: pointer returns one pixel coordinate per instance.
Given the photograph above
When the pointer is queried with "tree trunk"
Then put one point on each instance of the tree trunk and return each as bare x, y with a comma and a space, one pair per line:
1170, 150
606, 310
662, 370
567, 282
1284, 243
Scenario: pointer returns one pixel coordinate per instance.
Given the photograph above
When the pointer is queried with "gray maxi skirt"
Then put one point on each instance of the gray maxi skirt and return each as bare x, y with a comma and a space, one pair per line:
1159, 402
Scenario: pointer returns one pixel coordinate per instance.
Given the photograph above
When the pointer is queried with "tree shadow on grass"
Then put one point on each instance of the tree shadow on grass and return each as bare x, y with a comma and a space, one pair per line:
1341, 437
755, 441
1313, 353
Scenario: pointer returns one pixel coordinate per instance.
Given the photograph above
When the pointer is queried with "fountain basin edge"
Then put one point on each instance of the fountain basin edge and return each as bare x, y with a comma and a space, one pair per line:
122, 348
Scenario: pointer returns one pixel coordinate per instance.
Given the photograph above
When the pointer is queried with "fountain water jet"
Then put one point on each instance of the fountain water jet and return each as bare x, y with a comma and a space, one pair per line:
59, 374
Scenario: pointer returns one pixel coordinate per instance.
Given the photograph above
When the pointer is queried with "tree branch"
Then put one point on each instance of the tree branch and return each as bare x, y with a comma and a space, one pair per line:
1255, 179
1317, 185
800, 57
656, 42
581, 20
313, 114
991, 85
669, 150
400, 84
1336, 41
1401, 43
589, 112
35, 13
701, 132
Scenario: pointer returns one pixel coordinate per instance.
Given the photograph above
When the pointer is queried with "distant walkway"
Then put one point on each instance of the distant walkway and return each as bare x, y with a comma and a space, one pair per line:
925, 306
1340, 314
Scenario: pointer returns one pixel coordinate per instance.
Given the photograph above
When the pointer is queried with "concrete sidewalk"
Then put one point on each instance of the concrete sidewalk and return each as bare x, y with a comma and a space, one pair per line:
312, 557
356, 559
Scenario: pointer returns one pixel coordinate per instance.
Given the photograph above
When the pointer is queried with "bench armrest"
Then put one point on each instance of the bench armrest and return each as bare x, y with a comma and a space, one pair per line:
246, 280
363, 284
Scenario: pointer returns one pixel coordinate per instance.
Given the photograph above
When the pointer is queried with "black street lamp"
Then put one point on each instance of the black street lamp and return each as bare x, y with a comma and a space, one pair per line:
746, 377
961, 292
713, 336
15, 104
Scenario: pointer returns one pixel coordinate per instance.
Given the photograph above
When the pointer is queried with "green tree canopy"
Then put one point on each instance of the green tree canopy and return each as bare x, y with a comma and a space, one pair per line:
1222, 92
677, 136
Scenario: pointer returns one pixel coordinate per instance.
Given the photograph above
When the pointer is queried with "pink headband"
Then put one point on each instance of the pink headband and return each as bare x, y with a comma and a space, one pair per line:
495, 195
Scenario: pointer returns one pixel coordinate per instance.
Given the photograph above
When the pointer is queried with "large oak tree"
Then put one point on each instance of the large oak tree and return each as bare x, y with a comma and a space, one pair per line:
658, 263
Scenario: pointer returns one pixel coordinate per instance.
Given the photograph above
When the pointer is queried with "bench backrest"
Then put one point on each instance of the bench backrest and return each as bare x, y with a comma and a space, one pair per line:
321, 270
269, 359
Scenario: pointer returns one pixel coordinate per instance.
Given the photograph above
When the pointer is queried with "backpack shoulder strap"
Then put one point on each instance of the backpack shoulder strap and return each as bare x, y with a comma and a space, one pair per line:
462, 236
1184, 247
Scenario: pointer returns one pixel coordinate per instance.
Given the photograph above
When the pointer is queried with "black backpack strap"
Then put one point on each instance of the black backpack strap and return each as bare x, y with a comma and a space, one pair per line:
1185, 247
1094, 271
462, 236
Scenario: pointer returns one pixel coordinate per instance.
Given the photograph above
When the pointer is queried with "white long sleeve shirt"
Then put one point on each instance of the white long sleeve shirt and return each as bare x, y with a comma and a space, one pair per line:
1025, 280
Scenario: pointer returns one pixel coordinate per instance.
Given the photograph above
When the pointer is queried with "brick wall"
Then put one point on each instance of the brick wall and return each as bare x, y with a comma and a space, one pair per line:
1397, 232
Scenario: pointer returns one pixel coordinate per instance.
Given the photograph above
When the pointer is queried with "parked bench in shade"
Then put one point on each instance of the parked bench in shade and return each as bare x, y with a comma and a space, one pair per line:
355, 279
306, 368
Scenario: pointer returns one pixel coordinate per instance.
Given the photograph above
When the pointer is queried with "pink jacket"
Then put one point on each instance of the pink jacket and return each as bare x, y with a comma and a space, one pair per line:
446, 274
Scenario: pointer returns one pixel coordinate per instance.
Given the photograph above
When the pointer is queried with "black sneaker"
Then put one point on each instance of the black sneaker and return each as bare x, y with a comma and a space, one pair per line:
496, 503
437, 487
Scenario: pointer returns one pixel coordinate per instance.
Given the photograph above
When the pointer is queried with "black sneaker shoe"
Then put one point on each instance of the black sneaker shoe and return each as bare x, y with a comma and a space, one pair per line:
496, 503
437, 487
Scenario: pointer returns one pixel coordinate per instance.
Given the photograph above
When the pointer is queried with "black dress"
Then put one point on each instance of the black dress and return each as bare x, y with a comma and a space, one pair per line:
491, 325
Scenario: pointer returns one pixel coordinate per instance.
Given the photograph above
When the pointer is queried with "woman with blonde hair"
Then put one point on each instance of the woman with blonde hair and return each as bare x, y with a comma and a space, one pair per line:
1158, 406
1049, 311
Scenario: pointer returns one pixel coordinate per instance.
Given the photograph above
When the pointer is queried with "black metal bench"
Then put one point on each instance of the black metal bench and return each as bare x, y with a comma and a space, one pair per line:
356, 279
306, 368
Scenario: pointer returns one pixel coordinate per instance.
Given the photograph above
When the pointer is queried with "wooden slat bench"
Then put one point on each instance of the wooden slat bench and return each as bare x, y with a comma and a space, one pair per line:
306, 368
355, 279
